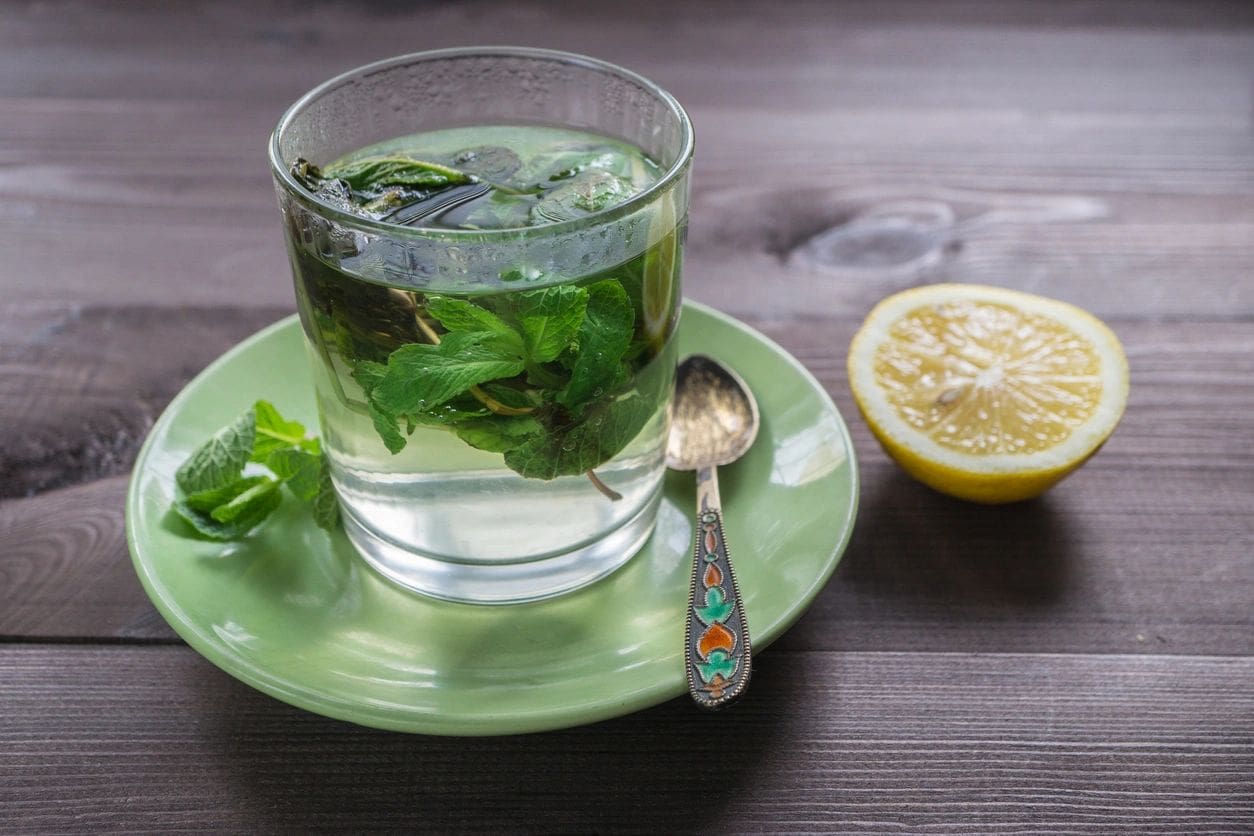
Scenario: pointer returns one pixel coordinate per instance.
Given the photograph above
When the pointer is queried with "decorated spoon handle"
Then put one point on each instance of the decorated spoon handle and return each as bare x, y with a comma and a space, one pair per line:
717, 651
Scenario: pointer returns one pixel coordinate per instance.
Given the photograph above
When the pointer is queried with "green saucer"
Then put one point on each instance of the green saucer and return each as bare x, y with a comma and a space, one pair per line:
295, 613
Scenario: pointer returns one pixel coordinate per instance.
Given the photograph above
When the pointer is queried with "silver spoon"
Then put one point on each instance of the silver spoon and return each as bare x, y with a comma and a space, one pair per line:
715, 420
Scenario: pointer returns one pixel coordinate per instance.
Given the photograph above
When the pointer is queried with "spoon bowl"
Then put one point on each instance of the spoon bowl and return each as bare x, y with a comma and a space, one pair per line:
714, 418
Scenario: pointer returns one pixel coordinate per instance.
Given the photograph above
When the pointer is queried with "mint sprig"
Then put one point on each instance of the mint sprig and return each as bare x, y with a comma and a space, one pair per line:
539, 376
221, 502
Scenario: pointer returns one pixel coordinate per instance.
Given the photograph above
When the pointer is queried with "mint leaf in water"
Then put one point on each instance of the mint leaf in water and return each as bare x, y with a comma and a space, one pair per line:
219, 502
604, 337
385, 425
372, 172
499, 433
368, 373
420, 377
550, 318
599, 435
460, 315
221, 459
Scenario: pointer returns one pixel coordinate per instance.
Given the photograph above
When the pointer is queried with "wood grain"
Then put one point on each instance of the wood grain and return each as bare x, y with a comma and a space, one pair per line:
1098, 154
149, 738
1081, 664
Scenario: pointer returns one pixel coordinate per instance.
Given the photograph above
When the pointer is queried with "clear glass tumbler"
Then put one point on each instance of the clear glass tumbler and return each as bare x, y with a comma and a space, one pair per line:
512, 495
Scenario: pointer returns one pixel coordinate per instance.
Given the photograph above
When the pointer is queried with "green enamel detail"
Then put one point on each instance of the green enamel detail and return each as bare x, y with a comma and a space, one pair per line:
718, 663
710, 558
709, 518
716, 607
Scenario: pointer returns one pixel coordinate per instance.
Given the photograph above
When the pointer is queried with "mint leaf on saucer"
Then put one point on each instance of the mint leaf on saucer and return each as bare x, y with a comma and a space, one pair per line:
219, 502
273, 431
206, 526
221, 459
208, 500
298, 468
250, 507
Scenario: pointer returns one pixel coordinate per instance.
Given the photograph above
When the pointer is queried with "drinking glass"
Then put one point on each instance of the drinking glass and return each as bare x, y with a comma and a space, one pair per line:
440, 516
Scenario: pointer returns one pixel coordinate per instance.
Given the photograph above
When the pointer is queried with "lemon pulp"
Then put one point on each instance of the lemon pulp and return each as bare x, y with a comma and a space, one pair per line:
984, 393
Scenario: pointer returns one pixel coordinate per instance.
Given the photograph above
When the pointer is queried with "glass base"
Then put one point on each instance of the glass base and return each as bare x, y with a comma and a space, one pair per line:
502, 582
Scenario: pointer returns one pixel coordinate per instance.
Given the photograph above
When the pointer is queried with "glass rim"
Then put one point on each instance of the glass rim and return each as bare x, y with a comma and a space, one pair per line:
283, 174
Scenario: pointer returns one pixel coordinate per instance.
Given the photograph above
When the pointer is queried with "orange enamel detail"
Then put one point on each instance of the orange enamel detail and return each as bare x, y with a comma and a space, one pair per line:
716, 637
713, 577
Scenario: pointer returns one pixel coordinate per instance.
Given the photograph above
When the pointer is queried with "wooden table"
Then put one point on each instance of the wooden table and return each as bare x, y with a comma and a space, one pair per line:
1083, 663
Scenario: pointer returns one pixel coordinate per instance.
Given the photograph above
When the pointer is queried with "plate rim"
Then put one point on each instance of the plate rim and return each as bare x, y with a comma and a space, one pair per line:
261, 679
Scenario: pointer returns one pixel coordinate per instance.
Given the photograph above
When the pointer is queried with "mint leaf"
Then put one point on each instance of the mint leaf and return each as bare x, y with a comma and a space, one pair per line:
421, 377
221, 459
273, 431
460, 315
233, 519
326, 506
371, 172
250, 507
550, 318
498, 433
298, 468
208, 500
604, 337
206, 526
603, 431
368, 373
385, 426
220, 503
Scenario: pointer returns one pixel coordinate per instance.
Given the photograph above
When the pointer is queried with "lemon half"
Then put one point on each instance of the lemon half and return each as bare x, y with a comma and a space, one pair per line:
987, 394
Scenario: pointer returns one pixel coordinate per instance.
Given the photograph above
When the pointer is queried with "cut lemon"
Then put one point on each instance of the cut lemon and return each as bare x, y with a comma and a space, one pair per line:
987, 394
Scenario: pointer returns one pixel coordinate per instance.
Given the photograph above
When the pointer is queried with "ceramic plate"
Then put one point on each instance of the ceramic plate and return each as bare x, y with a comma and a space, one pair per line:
294, 612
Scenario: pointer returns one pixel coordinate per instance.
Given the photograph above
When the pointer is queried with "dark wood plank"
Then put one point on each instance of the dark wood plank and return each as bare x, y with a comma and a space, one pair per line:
1145, 550
80, 386
155, 738
1099, 154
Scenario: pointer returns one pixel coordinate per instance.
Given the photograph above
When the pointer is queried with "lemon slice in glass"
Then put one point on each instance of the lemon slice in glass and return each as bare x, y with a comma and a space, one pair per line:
987, 394
658, 286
